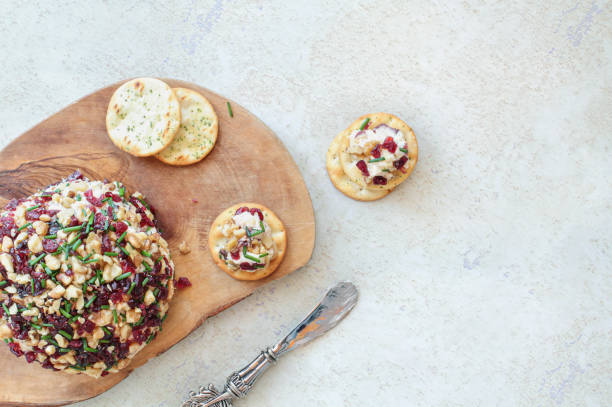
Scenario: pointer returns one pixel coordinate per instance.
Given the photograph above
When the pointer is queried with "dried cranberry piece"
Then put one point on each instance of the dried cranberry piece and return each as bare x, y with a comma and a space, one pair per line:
6, 224
116, 297
75, 343
235, 254
30, 357
139, 336
46, 197
99, 221
74, 221
106, 244
120, 227
104, 373
363, 167
223, 253
92, 199
34, 214
16, 349
258, 212
115, 197
126, 265
75, 175
390, 145
247, 266
241, 210
12, 204
50, 245
399, 163
379, 180
183, 282
376, 151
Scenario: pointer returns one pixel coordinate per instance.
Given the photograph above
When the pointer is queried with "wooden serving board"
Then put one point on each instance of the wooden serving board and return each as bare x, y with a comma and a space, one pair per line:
248, 163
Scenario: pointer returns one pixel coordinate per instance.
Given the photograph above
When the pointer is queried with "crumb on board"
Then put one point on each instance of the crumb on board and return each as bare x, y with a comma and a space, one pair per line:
184, 247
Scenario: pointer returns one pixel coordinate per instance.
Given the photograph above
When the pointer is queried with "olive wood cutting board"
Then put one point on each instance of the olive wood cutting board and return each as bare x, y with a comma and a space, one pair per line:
248, 163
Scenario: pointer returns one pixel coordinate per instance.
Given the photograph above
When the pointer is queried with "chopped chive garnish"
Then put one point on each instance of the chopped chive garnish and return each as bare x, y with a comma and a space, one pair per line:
73, 241
145, 253
104, 341
43, 283
64, 350
31, 208
111, 254
50, 236
90, 261
87, 257
86, 346
123, 276
6, 340
150, 338
48, 325
115, 316
92, 280
78, 197
146, 266
76, 367
91, 300
229, 109
248, 256
76, 245
124, 251
145, 281
375, 160
386, 170
64, 313
32, 285
6, 311
65, 334
105, 307
25, 226
73, 228
131, 288
159, 259
106, 331
403, 150
67, 306
3, 283
155, 292
365, 123
263, 255
259, 266
35, 326
121, 237
261, 225
257, 232
35, 260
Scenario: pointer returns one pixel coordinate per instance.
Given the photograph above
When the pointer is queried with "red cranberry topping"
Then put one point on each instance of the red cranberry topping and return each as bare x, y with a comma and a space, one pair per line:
120, 227
115, 197
75, 175
30, 357
390, 145
183, 282
247, 266
106, 243
399, 163
376, 151
241, 209
235, 254
258, 212
379, 180
15, 348
363, 167
92, 199
75, 343
50, 245
126, 265
223, 253
104, 373
116, 297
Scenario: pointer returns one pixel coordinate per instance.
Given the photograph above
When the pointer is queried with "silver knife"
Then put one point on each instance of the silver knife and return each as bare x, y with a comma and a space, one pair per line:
337, 303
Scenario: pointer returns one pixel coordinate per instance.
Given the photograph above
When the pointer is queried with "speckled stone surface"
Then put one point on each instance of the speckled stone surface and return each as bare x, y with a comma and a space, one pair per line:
485, 278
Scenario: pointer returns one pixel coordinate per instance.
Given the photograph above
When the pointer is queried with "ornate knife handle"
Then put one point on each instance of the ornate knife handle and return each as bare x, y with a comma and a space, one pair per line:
337, 303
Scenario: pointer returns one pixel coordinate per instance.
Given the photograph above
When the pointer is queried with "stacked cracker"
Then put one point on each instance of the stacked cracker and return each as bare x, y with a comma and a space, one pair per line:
146, 117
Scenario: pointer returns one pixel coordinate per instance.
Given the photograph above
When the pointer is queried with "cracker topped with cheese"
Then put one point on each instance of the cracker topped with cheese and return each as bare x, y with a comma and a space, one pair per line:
372, 156
248, 241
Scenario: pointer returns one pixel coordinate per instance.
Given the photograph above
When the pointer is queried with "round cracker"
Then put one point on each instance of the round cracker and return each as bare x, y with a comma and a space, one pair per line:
197, 134
351, 170
143, 116
216, 240
341, 181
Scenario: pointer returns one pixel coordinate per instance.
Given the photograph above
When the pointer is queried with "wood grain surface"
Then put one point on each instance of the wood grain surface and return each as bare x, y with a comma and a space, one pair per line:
248, 163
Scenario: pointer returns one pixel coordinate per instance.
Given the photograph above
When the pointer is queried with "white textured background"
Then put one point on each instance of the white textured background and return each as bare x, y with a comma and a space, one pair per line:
486, 278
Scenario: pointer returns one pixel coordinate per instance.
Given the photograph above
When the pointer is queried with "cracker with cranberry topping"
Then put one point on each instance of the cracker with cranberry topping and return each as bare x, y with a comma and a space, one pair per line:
378, 151
341, 181
143, 116
197, 134
247, 241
